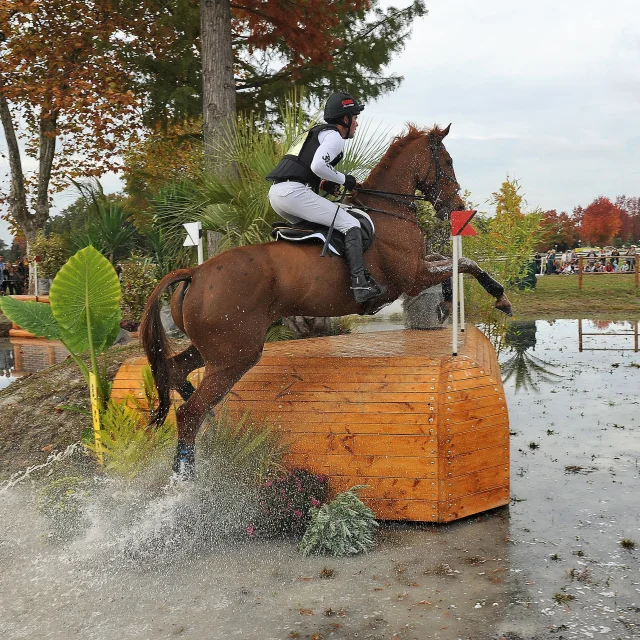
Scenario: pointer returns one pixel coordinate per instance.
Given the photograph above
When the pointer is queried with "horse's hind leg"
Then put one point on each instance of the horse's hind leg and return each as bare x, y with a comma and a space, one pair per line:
182, 364
216, 383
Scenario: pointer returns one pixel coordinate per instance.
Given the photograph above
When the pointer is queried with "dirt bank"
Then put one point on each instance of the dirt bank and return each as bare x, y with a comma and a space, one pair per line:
47, 411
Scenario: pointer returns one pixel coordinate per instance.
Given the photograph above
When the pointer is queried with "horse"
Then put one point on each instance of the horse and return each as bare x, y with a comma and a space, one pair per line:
226, 304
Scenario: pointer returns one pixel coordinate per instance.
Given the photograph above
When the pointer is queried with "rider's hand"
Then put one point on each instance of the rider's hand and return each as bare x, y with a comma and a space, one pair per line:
350, 182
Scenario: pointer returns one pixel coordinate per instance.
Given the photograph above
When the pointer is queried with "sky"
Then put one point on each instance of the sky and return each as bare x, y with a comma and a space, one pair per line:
545, 92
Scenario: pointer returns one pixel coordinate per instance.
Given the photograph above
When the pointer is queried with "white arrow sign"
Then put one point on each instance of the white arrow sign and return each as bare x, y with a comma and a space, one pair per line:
194, 238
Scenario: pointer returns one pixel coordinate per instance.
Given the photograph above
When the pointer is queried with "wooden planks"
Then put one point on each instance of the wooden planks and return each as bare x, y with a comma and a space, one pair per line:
426, 432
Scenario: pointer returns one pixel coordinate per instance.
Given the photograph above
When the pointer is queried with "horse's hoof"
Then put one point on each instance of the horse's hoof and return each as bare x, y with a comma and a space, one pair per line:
503, 304
505, 309
184, 464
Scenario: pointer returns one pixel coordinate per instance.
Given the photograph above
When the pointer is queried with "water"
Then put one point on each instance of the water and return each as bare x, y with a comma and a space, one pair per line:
575, 474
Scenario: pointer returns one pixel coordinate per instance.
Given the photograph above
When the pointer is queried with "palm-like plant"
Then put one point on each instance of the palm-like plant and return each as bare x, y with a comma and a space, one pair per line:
109, 231
236, 204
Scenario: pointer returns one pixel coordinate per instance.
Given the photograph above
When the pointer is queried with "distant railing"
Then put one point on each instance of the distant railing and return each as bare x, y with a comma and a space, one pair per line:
582, 272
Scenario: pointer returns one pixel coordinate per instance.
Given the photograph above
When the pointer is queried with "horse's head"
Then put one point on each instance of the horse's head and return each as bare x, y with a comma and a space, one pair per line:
437, 179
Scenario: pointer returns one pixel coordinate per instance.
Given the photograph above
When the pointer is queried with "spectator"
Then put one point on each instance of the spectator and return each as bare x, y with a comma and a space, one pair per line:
609, 267
3, 267
591, 258
551, 257
615, 254
631, 257
538, 259
12, 281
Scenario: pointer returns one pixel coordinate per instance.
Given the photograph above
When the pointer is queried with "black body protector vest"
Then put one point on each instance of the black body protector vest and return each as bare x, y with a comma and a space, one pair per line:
296, 164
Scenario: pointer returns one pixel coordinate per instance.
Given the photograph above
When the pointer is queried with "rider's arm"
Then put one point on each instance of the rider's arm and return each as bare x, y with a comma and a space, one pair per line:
331, 146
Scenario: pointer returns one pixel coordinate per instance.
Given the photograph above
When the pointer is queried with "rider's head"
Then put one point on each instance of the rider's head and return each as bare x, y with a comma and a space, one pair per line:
342, 110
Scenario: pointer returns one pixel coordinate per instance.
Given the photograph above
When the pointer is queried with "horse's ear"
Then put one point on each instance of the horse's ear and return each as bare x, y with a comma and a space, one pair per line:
445, 131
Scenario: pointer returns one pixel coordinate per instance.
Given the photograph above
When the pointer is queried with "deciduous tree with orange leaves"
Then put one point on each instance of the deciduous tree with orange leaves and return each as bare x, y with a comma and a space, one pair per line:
67, 101
600, 222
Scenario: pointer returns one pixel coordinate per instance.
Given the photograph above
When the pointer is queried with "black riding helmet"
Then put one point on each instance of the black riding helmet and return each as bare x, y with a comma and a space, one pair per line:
339, 105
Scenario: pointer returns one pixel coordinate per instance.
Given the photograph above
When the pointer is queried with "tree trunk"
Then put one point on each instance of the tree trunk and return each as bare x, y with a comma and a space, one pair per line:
17, 193
31, 223
218, 84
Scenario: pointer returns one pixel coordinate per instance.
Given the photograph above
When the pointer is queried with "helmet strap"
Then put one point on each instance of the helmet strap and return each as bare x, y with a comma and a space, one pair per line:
349, 118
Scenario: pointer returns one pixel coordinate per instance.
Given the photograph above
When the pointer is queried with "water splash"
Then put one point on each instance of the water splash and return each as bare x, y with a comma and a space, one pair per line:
53, 458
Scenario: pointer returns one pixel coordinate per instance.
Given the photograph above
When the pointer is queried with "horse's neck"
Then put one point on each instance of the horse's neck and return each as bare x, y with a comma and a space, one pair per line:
394, 182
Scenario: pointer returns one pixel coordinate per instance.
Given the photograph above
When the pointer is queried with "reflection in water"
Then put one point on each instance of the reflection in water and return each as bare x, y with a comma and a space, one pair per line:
527, 370
622, 329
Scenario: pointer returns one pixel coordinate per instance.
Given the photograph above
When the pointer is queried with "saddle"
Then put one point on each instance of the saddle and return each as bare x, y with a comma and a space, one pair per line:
305, 231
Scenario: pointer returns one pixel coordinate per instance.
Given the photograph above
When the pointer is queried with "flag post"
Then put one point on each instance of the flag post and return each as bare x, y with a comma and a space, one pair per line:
459, 227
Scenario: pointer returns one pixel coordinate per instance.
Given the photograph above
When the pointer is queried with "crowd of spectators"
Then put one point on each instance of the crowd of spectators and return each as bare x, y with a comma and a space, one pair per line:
13, 277
608, 260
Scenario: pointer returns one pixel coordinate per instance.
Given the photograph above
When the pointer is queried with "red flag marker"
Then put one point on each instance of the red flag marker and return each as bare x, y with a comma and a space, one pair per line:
460, 223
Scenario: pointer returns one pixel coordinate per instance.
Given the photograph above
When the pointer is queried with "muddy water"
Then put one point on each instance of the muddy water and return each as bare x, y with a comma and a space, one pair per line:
486, 577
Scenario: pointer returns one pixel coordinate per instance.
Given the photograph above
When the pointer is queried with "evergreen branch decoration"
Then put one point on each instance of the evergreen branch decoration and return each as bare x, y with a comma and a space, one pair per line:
344, 527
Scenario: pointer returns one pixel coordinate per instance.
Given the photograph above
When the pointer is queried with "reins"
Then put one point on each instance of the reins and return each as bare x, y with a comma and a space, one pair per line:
392, 195
365, 207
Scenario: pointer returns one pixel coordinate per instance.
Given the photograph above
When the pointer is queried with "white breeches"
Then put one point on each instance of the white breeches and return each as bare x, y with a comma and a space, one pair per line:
295, 201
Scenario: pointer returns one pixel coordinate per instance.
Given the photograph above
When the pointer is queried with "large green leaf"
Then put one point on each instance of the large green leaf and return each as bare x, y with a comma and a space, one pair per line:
35, 317
85, 301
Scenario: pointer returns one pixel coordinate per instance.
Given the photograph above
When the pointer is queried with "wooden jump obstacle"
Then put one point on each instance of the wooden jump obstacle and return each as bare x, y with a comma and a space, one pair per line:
427, 432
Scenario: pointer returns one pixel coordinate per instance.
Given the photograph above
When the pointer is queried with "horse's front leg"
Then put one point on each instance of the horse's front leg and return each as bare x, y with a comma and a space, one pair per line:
431, 273
491, 286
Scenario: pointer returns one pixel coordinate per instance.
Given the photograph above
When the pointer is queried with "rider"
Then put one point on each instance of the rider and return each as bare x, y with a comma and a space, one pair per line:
297, 180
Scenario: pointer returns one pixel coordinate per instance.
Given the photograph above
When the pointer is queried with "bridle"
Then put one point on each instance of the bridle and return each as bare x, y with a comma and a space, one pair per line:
409, 199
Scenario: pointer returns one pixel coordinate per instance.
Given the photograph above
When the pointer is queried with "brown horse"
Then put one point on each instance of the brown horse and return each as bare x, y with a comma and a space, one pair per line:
226, 305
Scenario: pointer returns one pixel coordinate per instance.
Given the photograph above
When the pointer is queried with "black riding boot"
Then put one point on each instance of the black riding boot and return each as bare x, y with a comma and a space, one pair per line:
364, 287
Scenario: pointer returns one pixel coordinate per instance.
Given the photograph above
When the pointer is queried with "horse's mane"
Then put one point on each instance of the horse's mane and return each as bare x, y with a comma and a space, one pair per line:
398, 145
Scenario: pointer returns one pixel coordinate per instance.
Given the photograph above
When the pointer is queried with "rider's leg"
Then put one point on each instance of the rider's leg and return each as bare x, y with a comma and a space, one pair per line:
295, 199
364, 287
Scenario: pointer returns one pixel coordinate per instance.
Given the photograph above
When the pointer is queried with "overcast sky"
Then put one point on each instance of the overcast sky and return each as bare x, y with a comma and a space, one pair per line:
548, 92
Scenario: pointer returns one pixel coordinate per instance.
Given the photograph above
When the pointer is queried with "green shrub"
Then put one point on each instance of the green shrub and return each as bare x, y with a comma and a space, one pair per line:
128, 444
53, 250
344, 527
138, 282
242, 448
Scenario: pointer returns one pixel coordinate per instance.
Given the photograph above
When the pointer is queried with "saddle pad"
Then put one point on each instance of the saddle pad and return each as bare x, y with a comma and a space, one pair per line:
305, 231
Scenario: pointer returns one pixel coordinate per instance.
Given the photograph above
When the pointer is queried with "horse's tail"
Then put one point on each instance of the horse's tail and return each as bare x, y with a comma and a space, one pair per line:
156, 344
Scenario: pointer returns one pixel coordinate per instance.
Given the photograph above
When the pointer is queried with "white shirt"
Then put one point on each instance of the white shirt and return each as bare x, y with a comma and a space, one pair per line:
331, 146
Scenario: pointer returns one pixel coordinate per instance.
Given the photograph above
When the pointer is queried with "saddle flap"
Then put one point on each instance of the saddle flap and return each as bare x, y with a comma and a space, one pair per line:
305, 231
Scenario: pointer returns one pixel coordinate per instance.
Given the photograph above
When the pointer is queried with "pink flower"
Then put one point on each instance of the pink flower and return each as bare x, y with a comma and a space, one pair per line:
251, 530
315, 502
297, 514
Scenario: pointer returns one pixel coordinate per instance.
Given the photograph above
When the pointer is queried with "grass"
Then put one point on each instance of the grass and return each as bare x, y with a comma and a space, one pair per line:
603, 296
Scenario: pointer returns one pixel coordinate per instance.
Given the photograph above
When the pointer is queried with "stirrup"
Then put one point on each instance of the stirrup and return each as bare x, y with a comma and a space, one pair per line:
365, 288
